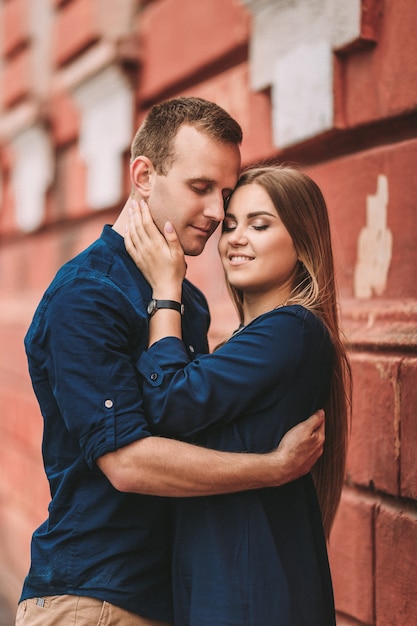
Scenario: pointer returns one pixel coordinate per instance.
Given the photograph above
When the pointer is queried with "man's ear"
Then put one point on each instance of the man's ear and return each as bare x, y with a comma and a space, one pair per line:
141, 170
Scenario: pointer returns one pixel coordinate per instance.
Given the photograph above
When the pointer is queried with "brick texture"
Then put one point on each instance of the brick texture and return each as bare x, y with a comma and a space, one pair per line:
71, 183
204, 33
408, 394
396, 567
76, 29
65, 118
394, 61
374, 448
358, 174
16, 77
15, 31
351, 554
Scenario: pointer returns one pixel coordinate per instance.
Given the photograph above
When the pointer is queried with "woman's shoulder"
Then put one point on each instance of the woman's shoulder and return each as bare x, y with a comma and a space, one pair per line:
281, 314
294, 316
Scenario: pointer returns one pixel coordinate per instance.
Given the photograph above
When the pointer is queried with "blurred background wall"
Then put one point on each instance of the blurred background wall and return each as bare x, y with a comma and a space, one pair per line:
329, 84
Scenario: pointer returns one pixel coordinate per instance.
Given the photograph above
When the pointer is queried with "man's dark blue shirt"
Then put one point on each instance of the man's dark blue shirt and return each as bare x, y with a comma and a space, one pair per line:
83, 346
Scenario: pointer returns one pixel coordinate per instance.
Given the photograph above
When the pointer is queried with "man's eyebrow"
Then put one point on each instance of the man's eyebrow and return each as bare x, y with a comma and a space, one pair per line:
201, 179
209, 181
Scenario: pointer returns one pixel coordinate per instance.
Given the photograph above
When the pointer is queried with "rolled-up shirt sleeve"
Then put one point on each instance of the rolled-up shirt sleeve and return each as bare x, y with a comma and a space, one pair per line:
184, 397
82, 366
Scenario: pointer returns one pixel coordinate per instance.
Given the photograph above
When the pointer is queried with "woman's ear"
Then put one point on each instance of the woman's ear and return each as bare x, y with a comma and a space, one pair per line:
141, 170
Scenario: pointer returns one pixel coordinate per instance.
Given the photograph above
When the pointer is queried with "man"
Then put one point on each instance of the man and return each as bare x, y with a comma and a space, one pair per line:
103, 554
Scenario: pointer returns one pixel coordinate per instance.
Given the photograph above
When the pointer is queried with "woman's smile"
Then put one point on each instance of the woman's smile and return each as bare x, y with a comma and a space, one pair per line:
239, 259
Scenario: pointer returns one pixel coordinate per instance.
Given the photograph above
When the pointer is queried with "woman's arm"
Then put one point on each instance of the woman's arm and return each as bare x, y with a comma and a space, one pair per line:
161, 260
253, 371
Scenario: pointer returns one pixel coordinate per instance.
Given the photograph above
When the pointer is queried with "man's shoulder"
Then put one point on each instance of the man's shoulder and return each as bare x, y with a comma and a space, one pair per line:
100, 275
92, 265
104, 262
99, 255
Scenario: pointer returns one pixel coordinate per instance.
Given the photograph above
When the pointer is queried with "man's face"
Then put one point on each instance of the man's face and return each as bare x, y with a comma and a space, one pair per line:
191, 196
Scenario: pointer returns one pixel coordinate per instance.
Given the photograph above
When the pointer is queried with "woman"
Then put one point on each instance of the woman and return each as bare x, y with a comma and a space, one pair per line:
256, 558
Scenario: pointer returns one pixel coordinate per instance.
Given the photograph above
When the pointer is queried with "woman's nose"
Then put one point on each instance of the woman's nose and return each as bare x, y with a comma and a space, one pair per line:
237, 237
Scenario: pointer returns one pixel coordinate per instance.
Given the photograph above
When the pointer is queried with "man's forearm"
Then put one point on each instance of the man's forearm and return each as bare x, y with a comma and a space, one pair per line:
165, 467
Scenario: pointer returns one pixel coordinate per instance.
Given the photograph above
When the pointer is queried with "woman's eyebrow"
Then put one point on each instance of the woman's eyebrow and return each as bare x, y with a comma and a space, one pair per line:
253, 214
256, 213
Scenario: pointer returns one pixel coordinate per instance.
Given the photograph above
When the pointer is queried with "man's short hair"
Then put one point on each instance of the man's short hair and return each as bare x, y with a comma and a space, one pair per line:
155, 137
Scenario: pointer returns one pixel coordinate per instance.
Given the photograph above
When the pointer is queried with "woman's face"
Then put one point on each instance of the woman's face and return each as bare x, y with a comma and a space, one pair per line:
256, 250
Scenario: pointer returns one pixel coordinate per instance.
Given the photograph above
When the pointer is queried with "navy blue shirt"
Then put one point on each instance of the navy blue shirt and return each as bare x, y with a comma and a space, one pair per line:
83, 345
255, 557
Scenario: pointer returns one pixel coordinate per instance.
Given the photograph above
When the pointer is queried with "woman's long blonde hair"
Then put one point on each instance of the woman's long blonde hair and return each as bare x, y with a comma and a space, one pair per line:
303, 211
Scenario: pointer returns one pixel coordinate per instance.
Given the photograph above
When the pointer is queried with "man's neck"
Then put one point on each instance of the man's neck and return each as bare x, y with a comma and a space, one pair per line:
122, 220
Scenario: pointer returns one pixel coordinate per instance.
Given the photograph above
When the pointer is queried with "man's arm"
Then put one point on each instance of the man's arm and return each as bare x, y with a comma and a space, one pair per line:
165, 467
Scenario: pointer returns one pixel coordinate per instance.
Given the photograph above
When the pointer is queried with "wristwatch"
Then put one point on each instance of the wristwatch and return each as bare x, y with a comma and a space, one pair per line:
154, 305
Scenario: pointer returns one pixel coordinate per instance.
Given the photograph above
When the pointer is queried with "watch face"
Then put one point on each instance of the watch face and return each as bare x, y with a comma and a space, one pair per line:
154, 305
151, 307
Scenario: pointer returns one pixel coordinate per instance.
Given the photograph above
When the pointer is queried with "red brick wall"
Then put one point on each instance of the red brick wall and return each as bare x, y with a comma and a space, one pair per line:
170, 47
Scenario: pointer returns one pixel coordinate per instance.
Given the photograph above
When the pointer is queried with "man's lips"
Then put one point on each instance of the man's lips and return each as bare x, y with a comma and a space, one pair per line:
204, 231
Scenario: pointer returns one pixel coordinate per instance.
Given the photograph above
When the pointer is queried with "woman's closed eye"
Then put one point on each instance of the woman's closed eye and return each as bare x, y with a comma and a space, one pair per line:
229, 226
260, 226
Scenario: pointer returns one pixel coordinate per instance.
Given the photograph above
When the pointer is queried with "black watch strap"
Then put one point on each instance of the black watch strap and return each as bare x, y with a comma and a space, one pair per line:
154, 305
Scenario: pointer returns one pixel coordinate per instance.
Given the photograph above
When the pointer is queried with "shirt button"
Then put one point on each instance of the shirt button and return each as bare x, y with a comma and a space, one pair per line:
191, 349
154, 376
108, 404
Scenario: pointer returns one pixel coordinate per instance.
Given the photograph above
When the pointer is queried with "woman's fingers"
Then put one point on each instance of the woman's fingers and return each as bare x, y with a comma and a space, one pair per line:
175, 248
134, 235
144, 235
148, 227
158, 255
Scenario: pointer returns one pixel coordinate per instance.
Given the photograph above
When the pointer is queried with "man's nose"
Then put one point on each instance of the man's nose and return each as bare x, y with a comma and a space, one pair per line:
215, 208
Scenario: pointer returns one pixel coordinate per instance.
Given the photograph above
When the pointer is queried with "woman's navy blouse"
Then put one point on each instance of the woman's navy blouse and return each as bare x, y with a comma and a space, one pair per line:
257, 557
